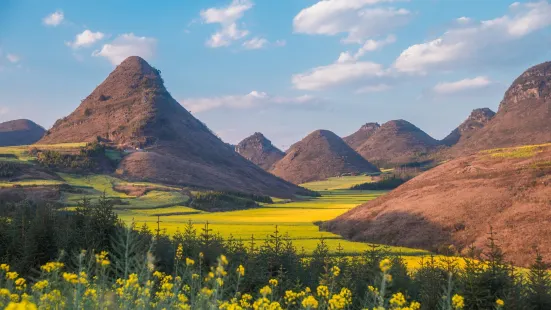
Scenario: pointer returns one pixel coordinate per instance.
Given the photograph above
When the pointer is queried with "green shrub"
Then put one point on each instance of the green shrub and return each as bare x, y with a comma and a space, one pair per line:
219, 201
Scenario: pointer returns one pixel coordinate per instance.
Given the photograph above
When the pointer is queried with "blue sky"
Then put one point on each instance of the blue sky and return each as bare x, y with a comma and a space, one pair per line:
284, 68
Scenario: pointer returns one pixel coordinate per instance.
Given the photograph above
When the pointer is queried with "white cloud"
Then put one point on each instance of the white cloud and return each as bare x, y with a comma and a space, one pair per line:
351, 17
13, 58
53, 19
4, 111
86, 38
280, 43
481, 42
463, 20
255, 43
227, 17
250, 100
127, 45
369, 46
337, 74
373, 88
462, 85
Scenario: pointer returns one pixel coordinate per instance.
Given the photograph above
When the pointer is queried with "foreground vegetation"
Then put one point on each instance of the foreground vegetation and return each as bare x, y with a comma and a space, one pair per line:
87, 259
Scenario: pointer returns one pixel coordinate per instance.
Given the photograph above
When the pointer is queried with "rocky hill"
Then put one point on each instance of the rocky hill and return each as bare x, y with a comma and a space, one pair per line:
20, 132
456, 202
259, 150
165, 143
322, 154
358, 138
523, 117
477, 120
397, 142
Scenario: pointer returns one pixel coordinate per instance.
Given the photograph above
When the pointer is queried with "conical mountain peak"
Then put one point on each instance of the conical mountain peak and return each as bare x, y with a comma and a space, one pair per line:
358, 138
476, 120
259, 150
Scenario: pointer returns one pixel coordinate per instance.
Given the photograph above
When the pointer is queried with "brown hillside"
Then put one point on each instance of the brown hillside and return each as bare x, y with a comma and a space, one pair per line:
20, 132
524, 115
397, 142
259, 150
132, 108
320, 155
358, 138
477, 120
456, 202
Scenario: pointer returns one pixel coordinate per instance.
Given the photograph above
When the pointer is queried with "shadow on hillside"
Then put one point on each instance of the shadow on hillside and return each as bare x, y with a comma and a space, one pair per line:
395, 228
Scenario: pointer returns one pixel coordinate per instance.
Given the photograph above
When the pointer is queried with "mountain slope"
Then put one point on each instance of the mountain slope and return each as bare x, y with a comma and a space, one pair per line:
132, 109
320, 155
259, 150
397, 142
523, 117
20, 132
358, 138
477, 120
456, 202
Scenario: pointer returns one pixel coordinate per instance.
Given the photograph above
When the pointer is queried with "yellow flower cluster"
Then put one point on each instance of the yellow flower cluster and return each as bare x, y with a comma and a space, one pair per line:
385, 265
52, 267
240, 271
4, 267
273, 282
335, 271
458, 302
310, 302
81, 278
102, 259
500, 303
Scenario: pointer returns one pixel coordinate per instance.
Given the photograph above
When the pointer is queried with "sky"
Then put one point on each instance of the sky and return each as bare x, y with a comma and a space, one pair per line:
284, 68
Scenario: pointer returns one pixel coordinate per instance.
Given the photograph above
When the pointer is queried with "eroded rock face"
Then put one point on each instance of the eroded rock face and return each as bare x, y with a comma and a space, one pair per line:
534, 83
358, 138
477, 120
259, 150
320, 155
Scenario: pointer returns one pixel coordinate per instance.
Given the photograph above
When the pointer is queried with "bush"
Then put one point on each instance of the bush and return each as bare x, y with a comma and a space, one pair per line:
8, 169
219, 201
384, 184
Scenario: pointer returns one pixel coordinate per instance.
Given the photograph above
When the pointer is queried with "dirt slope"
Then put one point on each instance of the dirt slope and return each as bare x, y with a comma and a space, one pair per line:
477, 120
456, 202
523, 117
358, 138
397, 142
132, 109
259, 150
20, 132
320, 155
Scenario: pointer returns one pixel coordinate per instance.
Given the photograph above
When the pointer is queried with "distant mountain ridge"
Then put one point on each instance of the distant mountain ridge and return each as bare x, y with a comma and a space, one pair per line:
320, 155
358, 138
259, 151
20, 132
477, 120
132, 109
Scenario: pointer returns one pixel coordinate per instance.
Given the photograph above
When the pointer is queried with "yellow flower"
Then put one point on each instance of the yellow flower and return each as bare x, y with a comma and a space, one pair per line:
323, 291
398, 300
310, 302
201, 255
414, 305
388, 278
194, 276
336, 271
52, 266
4, 292
219, 281
223, 260
266, 290
23, 305
190, 262
102, 260
70, 277
14, 298
245, 301
206, 291
273, 282
180, 252
12, 275
158, 274
373, 290
385, 265
91, 293
241, 270
5, 267
458, 302
20, 282
500, 303
40, 285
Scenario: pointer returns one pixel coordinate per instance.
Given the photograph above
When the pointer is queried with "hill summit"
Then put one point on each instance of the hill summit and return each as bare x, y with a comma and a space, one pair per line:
523, 117
20, 132
259, 150
322, 154
132, 109
478, 119
358, 138
397, 142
